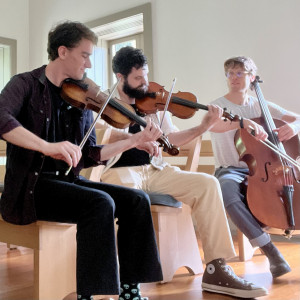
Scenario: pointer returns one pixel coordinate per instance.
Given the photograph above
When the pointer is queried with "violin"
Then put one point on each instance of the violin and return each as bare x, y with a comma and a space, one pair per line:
270, 171
182, 104
85, 94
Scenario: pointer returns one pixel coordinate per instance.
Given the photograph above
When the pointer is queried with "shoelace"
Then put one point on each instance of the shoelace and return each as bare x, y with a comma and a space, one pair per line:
231, 273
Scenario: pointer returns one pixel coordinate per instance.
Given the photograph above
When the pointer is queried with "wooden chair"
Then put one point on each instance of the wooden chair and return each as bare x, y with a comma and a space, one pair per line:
246, 250
175, 234
54, 252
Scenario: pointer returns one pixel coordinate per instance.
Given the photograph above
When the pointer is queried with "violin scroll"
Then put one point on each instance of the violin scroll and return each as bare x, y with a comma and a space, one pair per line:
229, 116
167, 146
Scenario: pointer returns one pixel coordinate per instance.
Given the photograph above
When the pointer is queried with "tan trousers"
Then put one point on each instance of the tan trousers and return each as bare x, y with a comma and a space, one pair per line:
198, 190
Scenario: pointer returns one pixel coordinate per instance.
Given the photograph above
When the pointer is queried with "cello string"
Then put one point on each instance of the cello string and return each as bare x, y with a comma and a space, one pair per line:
278, 151
275, 149
271, 125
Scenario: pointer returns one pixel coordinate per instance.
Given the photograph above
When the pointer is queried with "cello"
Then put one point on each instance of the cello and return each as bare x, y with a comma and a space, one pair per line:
273, 184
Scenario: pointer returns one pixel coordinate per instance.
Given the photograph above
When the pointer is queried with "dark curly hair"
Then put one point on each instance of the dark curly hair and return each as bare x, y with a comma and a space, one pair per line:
127, 58
68, 34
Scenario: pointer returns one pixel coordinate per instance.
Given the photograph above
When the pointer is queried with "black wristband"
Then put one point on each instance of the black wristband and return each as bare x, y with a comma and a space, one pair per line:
242, 122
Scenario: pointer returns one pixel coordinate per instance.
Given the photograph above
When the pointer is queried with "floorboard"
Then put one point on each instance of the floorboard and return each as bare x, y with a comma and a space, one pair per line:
16, 277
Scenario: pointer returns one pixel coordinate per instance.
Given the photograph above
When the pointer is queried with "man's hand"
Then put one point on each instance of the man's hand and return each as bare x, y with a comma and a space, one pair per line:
213, 115
259, 131
65, 151
146, 139
150, 147
286, 132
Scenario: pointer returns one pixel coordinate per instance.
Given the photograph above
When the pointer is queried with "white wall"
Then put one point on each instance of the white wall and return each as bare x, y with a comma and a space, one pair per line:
14, 24
45, 14
191, 39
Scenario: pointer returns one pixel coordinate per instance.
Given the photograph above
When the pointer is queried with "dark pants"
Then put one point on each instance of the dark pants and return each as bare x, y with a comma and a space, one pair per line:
231, 179
93, 207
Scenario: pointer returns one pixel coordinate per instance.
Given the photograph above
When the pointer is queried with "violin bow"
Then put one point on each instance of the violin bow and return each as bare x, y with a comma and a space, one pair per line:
276, 150
167, 102
96, 119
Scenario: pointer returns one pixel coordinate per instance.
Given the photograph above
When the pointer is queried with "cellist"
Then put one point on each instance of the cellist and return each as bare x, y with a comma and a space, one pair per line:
240, 73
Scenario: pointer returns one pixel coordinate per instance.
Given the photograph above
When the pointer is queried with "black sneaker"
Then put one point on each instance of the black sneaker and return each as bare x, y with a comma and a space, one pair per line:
220, 278
278, 265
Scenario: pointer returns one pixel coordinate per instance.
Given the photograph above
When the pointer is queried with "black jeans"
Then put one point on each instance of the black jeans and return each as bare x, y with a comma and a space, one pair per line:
93, 207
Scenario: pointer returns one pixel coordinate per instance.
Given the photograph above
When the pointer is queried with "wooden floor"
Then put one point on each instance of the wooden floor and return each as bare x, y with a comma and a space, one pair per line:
16, 277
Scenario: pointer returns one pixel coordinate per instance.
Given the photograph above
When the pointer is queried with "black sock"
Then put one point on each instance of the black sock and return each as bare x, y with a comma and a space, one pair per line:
271, 251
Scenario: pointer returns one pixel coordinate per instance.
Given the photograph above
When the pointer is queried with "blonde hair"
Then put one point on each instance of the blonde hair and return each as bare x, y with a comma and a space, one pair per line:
240, 61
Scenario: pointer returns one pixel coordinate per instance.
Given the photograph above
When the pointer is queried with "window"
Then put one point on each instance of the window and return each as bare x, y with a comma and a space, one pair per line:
131, 27
7, 60
135, 41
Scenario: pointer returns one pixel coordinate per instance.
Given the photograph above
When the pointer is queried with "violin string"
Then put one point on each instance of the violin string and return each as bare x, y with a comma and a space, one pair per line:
95, 120
128, 113
188, 103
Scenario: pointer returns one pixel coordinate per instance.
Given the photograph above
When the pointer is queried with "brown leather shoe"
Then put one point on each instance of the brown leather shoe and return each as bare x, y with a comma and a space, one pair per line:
220, 278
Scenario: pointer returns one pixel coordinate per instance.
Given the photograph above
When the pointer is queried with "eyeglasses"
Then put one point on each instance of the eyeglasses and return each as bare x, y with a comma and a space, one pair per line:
239, 74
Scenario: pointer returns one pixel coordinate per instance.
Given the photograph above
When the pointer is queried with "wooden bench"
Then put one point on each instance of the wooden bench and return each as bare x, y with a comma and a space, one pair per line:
54, 255
54, 252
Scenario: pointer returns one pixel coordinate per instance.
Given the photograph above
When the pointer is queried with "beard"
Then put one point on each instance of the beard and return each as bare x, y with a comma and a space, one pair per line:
137, 93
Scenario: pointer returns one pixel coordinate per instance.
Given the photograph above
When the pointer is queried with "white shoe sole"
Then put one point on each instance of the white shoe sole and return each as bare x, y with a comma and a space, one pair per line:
234, 292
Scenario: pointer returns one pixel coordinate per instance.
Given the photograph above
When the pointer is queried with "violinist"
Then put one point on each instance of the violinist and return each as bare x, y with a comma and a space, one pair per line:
139, 168
240, 73
43, 133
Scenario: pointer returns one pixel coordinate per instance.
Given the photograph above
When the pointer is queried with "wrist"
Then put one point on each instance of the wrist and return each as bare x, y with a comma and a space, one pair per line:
44, 147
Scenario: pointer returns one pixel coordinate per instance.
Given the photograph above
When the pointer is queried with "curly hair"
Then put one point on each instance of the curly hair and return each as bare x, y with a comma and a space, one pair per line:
68, 34
241, 61
127, 58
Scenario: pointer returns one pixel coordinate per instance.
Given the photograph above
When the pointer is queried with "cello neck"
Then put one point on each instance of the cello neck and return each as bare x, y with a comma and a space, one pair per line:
266, 115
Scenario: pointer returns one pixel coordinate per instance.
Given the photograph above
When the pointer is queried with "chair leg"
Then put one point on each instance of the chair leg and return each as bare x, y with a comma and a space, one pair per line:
55, 278
246, 250
177, 242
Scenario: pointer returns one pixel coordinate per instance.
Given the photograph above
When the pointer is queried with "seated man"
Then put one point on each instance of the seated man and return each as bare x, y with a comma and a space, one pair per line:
240, 72
43, 133
135, 169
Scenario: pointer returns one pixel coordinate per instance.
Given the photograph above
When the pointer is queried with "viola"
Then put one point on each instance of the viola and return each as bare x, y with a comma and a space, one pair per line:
182, 104
278, 205
85, 94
